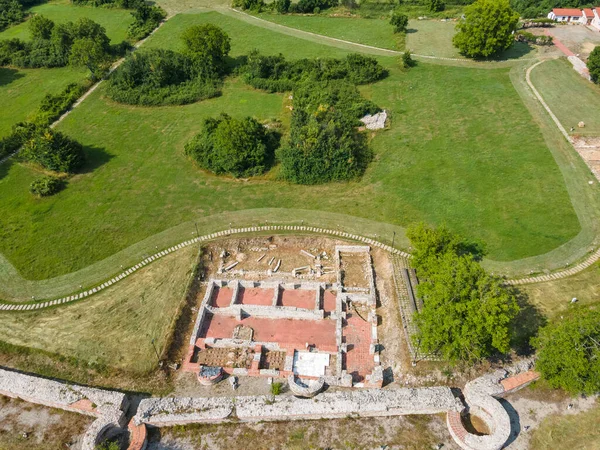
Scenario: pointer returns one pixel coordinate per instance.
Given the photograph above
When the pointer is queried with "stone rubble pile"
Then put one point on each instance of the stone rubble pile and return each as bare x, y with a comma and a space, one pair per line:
375, 121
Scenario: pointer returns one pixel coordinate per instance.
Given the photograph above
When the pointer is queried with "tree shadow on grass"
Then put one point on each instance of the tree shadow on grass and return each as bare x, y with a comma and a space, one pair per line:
516, 51
94, 158
7, 75
5, 167
526, 324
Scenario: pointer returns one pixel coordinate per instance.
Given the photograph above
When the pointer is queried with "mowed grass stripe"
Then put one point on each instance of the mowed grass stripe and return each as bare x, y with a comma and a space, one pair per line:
572, 98
462, 149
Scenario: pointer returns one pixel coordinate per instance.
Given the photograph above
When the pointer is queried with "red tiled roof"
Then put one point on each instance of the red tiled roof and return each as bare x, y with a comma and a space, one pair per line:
567, 12
588, 12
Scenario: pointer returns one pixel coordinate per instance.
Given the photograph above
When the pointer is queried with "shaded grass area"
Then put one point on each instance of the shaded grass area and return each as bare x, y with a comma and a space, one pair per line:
22, 91
576, 432
469, 157
115, 21
114, 329
569, 96
554, 297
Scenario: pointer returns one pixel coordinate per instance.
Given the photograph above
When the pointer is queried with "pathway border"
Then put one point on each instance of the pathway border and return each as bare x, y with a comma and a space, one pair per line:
208, 237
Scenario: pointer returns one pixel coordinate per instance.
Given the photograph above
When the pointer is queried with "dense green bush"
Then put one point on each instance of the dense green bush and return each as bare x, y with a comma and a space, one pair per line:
325, 144
125, 4
20, 133
145, 19
11, 12
161, 77
251, 5
52, 43
53, 106
282, 6
400, 21
275, 74
593, 64
309, 6
46, 186
225, 145
436, 5
568, 351
54, 151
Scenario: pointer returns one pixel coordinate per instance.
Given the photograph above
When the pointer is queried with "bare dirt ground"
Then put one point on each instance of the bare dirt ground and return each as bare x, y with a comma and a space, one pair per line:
579, 39
32, 427
408, 432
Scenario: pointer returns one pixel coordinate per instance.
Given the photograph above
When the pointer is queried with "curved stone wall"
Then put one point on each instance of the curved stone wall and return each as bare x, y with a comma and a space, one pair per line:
306, 389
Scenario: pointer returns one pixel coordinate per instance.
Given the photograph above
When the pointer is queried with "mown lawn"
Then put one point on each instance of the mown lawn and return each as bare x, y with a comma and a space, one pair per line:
462, 149
572, 98
22, 91
114, 328
115, 21
375, 32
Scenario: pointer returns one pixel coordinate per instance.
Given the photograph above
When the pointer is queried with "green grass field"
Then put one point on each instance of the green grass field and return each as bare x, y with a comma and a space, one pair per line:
471, 158
116, 327
375, 32
23, 89
570, 96
115, 21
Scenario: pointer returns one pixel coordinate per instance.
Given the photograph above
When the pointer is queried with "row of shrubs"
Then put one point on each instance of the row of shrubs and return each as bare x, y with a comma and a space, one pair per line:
286, 6
525, 36
276, 74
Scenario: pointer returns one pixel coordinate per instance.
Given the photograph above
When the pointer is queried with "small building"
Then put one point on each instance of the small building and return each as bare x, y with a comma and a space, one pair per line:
570, 15
588, 16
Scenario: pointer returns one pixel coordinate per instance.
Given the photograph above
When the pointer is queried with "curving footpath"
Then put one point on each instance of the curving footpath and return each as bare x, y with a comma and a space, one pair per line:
15, 307
208, 237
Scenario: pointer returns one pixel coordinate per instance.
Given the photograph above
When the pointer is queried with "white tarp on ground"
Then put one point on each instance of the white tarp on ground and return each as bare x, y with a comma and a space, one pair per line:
310, 364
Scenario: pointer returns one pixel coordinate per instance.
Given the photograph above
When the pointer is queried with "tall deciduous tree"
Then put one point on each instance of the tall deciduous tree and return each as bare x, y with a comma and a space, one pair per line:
467, 313
40, 27
569, 352
208, 43
89, 53
593, 64
486, 29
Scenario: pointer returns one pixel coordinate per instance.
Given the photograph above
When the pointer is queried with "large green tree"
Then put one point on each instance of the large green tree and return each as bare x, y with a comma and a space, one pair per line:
239, 147
593, 64
400, 21
207, 43
54, 151
486, 29
467, 313
91, 54
569, 351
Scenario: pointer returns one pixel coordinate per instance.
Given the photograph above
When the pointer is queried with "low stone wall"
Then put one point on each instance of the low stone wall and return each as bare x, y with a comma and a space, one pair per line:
169, 411
108, 406
363, 403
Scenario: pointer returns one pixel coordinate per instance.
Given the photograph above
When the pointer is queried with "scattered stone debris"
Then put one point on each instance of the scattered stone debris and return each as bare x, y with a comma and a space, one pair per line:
375, 121
277, 266
261, 258
305, 253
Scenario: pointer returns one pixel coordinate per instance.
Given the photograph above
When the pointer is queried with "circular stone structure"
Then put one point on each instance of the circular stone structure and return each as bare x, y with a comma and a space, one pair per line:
305, 388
